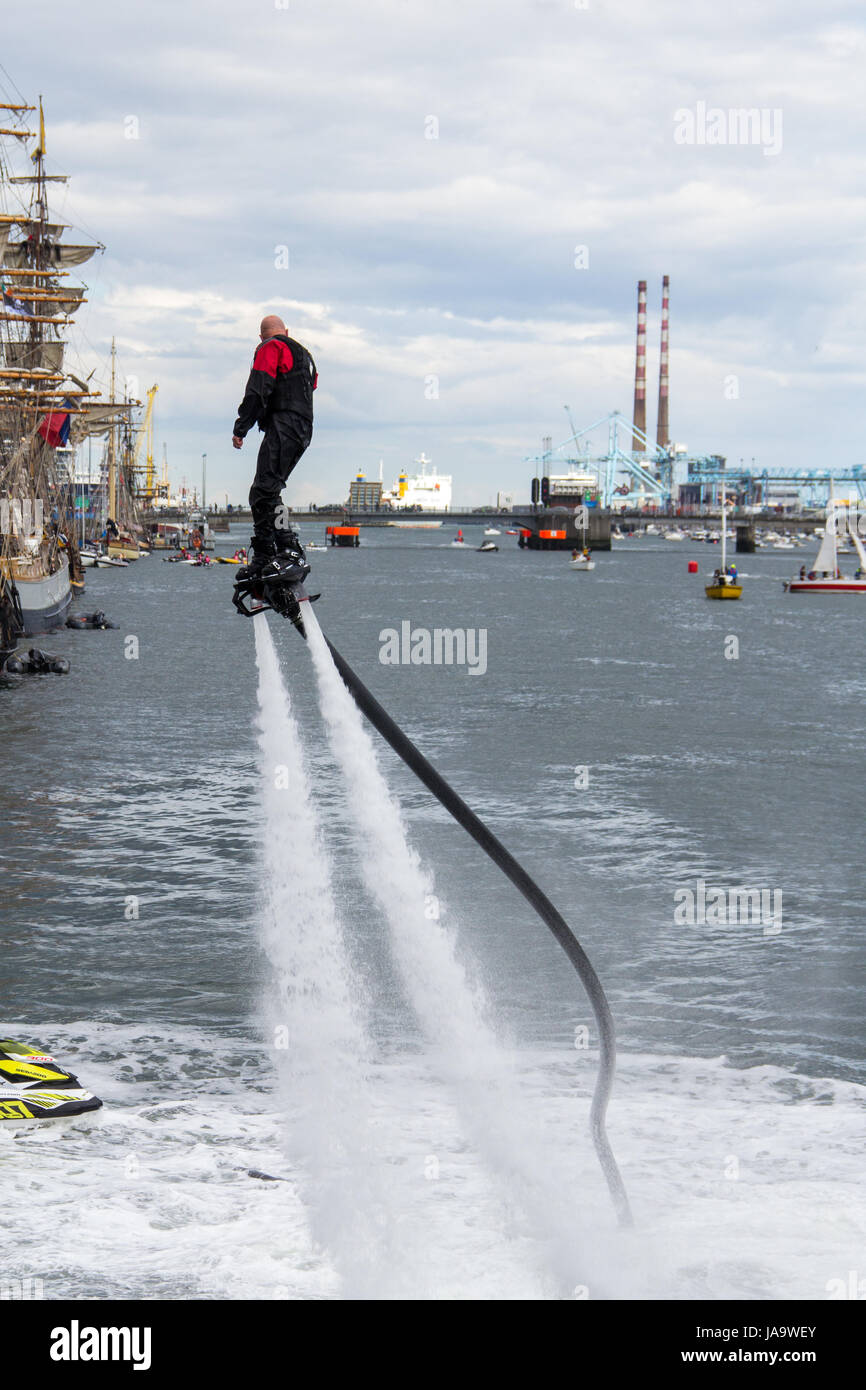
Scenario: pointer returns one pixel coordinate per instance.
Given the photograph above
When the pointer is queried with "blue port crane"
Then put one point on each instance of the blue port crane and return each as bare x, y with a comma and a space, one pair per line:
627, 475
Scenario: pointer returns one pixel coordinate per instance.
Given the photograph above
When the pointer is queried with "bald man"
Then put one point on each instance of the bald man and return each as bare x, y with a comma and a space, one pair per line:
279, 399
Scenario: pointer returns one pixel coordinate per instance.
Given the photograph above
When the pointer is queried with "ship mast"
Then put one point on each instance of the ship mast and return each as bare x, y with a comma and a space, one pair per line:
112, 454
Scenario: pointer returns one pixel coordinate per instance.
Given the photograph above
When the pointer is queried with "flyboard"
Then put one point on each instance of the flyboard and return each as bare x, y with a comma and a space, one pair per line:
285, 594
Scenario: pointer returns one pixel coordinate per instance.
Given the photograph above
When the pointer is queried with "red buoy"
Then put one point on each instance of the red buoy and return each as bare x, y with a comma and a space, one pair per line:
693, 566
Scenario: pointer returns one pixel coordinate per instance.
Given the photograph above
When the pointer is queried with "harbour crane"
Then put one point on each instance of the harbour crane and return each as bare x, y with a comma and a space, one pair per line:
145, 436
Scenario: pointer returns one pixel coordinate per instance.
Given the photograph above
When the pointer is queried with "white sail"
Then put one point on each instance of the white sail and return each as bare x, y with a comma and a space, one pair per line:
50, 229
17, 255
825, 560
70, 303
34, 356
858, 546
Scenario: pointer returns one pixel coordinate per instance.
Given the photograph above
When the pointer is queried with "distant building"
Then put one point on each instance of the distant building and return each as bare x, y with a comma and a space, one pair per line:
573, 486
364, 495
571, 489
504, 501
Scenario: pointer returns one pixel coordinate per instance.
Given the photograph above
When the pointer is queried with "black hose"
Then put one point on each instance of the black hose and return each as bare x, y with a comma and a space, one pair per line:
456, 806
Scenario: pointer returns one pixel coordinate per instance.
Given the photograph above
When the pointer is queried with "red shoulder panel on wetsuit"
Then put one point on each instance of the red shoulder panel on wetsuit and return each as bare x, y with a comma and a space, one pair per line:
273, 356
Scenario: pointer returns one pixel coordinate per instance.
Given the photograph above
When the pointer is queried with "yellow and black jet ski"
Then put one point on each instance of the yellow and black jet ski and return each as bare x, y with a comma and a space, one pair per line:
35, 1087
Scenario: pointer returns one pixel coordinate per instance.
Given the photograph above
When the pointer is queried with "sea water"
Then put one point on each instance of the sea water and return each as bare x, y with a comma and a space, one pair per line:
624, 749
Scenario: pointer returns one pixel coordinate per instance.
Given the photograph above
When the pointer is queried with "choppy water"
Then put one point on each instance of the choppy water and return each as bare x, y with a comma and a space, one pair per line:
738, 1113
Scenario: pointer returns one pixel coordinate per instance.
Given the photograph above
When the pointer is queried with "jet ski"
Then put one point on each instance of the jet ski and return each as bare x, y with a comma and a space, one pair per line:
35, 1087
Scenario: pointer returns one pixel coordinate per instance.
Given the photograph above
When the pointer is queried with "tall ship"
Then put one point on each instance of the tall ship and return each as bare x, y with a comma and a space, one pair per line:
42, 404
423, 491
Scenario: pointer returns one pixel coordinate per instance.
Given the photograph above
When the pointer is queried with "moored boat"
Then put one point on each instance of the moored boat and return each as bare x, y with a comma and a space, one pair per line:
44, 410
123, 548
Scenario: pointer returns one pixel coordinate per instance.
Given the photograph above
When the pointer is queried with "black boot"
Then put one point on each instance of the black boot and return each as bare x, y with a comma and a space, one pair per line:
260, 556
290, 556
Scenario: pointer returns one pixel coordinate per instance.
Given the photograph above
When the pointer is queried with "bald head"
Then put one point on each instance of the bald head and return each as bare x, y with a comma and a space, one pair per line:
271, 325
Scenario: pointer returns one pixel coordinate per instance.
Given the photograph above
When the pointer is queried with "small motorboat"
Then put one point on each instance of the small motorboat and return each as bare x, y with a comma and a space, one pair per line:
113, 562
491, 531
36, 663
35, 1087
512, 532
487, 545
89, 622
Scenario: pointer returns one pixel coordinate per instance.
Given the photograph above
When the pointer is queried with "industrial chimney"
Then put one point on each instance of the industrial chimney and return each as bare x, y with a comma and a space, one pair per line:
662, 428
640, 370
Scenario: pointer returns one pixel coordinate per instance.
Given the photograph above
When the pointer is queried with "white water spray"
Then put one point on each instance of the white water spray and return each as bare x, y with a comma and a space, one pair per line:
451, 1010
316, 1016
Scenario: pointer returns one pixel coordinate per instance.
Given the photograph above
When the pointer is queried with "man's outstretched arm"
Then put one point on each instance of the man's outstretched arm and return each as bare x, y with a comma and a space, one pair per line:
260, 384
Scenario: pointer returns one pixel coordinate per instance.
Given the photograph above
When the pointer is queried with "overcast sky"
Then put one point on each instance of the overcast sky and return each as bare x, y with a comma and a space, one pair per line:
307, 126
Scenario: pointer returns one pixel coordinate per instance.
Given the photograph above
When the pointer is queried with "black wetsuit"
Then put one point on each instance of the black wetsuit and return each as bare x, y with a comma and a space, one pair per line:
279, 399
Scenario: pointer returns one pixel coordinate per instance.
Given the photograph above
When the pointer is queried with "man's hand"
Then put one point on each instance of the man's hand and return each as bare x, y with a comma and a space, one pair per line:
237, 441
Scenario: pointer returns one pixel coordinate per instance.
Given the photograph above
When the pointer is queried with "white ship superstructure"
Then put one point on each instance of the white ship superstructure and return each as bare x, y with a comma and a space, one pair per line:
427, 491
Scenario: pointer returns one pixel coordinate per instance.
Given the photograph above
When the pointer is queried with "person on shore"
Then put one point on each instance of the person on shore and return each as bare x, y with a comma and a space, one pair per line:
279, 399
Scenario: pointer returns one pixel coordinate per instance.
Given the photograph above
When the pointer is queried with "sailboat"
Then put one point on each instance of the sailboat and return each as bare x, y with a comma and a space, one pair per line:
39, 400
825, 577
582, 561
724, 583
123, 525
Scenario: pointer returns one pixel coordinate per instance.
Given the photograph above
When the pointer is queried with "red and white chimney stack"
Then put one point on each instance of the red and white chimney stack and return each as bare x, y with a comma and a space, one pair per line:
662, 427
638, 445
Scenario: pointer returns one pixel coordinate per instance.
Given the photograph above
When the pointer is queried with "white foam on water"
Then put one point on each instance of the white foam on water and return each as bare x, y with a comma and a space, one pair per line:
452, 1009
150, 1197
315, 1015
